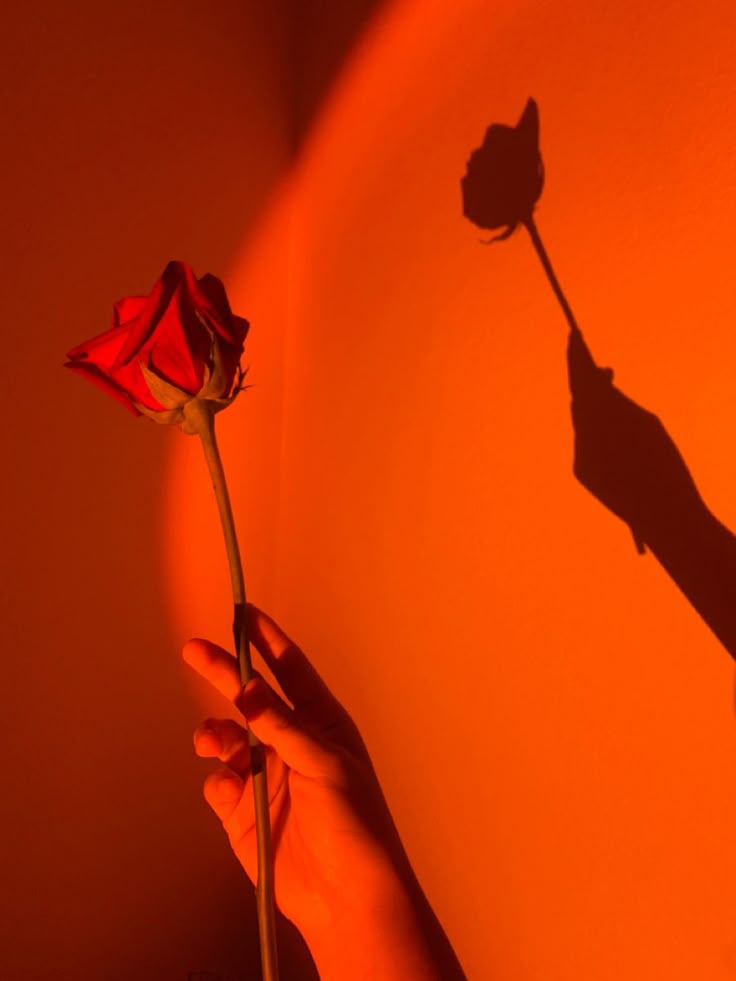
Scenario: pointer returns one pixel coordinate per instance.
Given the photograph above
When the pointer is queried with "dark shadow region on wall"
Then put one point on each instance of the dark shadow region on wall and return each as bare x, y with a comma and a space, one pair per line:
626, 458
324, 34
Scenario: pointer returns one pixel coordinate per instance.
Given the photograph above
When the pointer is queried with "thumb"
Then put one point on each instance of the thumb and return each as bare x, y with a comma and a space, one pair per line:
275, 724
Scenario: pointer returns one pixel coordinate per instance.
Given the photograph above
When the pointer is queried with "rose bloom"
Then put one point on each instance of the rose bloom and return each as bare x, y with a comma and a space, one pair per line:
505, 175
181, 341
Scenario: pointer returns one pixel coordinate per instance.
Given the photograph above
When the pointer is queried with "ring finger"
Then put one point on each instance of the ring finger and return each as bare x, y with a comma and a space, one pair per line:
225, 740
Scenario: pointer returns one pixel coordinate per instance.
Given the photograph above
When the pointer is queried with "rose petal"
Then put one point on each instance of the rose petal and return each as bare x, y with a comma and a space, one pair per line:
230, 328
180, 347
213, 292
241, 329
143, 325
107, 341
127, 309
209, 296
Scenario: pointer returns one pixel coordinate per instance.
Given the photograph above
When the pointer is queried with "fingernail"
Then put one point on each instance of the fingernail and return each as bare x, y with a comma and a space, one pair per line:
188, 649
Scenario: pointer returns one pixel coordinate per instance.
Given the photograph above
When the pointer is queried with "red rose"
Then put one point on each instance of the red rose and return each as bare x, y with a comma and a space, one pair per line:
179, 343
505, 175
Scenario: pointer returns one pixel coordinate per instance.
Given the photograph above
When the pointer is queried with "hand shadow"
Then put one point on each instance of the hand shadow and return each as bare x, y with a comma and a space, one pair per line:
625, 457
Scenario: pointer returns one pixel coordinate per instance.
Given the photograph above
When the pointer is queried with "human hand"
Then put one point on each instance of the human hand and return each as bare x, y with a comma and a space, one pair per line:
341, 873
623, 454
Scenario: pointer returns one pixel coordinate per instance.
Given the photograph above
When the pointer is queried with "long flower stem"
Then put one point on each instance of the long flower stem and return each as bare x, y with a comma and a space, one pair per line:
554, 282
201, 418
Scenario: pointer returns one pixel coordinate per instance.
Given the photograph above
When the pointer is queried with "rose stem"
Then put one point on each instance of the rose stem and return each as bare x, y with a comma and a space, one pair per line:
202, 419
554, 282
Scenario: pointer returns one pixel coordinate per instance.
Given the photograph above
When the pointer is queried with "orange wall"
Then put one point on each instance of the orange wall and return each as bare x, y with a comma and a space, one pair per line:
554, 725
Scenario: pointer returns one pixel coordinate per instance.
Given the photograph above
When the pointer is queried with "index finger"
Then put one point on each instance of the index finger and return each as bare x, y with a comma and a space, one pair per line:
218, 667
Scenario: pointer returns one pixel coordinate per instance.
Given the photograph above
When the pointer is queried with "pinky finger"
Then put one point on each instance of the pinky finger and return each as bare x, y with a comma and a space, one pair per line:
223, 791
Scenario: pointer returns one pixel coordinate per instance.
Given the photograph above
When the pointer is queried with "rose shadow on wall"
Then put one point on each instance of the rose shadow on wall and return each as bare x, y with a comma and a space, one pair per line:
623, 454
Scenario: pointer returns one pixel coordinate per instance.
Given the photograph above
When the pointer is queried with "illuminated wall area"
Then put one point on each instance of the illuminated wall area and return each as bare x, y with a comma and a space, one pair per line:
506, 651
550, 714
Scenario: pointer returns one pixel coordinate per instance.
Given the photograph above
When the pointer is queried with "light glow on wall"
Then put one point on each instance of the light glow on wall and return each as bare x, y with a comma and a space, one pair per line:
402, 472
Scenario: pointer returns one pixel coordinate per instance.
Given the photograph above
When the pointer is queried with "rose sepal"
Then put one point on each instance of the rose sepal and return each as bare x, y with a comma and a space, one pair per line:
166, 417
191, 414
183, 415
168, 395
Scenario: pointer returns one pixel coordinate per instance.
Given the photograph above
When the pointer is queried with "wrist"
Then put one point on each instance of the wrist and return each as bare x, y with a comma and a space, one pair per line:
391, 934
700, 557
680, 531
